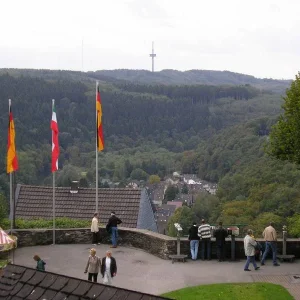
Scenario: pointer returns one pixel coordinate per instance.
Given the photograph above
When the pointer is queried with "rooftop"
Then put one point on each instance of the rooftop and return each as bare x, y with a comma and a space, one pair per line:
20, 282
36, 201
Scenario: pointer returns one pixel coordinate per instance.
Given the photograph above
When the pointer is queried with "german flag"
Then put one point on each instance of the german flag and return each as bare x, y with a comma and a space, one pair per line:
100, 138
12, 160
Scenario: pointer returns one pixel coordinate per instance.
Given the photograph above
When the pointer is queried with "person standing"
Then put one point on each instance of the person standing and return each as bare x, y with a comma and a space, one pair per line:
249, 246
95, 230
108, 268
93, 266
112, 226
220, 234
270, 238
194, 241
40, 264
204, 232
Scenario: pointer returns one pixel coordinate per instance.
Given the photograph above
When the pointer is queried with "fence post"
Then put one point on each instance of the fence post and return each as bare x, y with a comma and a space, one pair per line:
284, 235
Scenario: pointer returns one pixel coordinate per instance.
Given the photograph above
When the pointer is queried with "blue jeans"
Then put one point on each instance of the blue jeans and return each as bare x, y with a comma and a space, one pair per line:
114, 235
205, 243
273, 247
250, 259
194, 244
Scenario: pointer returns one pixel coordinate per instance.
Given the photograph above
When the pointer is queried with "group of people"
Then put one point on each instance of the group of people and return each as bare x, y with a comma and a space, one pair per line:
111, 227
107, 266
204, 234
251, 245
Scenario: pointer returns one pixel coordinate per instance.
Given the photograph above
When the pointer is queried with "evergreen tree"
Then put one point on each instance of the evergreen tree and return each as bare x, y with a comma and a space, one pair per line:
284, 143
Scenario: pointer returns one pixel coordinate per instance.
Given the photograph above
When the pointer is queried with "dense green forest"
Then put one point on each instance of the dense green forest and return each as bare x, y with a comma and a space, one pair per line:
215, 131
191, 77
253, 188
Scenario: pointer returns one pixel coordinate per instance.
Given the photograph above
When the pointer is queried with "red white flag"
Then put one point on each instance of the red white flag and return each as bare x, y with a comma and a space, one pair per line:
55, 145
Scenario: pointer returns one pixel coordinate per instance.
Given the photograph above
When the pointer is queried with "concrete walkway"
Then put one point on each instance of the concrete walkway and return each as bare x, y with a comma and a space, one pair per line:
138, 270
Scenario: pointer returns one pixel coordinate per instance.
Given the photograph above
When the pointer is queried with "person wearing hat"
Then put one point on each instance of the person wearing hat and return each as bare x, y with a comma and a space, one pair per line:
112, 226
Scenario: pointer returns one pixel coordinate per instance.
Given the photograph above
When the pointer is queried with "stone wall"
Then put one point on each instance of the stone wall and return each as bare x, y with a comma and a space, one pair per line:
154, 243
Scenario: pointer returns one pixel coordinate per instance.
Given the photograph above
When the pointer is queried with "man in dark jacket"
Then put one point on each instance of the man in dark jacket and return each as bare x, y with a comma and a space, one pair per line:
108, 268
194, 240
112, 226
220, 234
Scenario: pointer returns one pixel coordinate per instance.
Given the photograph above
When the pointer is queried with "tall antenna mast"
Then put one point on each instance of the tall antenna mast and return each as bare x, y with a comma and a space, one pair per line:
152, 55
82, 55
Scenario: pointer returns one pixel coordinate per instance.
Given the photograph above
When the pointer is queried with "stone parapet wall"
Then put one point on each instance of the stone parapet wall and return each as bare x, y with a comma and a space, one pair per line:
154, 243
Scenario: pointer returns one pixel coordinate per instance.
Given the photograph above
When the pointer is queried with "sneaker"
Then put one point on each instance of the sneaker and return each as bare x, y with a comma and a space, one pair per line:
257, 268
276, 265
94, 244
247, 270
262, 264
98, 244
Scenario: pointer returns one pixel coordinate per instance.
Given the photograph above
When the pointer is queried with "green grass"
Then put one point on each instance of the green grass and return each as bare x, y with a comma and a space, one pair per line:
238, 291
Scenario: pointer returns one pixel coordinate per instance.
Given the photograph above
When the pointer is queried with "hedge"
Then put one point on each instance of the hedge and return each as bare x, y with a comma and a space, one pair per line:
43, 223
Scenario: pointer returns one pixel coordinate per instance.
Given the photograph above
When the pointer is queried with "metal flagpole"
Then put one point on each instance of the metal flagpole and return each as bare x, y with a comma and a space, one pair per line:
53, 179
11, 202
53, 175
96, 150
10, 185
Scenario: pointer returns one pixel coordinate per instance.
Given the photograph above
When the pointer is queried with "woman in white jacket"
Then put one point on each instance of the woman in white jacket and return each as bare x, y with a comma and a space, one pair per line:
95, 230
249, 245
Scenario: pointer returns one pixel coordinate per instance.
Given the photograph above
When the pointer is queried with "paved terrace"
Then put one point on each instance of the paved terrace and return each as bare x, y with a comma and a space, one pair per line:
144, 272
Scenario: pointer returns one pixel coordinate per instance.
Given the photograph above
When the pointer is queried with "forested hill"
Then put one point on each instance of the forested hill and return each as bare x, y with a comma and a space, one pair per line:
165, 77
146, 127
192, 77
215, 131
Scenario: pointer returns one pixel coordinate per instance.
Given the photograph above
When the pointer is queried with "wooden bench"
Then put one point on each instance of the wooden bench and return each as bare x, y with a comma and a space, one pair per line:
178, 257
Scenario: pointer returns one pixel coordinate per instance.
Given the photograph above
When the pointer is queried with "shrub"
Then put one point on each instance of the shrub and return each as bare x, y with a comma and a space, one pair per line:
43, 223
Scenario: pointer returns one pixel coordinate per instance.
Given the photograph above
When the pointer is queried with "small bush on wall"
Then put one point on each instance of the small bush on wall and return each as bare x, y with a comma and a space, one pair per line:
42, 223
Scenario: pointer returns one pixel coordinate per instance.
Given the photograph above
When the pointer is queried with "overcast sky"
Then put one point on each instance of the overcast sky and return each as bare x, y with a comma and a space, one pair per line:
258, 37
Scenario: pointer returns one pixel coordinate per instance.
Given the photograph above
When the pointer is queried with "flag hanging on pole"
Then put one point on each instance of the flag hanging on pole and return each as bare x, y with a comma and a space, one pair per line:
100, 138
55, 145
12, 160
